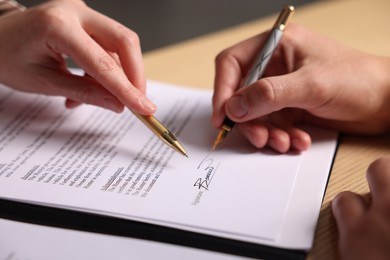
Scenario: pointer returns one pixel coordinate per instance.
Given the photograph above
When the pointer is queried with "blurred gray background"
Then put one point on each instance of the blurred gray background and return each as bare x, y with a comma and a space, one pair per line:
162, 22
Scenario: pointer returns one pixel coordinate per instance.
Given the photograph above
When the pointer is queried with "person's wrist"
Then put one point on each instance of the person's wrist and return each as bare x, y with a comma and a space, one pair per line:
8, 6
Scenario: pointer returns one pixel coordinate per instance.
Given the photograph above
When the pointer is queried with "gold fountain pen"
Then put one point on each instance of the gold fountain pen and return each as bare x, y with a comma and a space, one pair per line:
162, 132
260, 63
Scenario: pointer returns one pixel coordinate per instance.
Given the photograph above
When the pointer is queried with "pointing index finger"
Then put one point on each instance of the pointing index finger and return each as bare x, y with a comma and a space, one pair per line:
93, 57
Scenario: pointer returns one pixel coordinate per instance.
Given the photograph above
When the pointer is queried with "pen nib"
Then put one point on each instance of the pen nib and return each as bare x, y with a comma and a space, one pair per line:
219, 138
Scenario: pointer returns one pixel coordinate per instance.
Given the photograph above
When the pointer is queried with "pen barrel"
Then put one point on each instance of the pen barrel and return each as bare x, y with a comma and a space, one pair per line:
264, 57
258, 67
153, 124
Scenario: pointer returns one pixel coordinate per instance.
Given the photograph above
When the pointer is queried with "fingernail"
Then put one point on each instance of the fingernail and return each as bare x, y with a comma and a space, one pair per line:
111, 104
148, 104
238, 106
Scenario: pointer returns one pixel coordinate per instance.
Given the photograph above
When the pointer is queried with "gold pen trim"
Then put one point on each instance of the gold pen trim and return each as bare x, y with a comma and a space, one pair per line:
284, 17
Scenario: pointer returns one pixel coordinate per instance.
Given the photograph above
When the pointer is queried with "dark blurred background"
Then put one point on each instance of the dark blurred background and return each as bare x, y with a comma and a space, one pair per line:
162, 22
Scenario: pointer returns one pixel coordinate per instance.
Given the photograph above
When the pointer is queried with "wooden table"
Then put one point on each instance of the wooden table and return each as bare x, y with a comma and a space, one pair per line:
362, 24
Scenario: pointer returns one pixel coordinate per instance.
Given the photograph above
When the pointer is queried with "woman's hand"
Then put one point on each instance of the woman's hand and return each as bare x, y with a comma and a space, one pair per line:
35, 42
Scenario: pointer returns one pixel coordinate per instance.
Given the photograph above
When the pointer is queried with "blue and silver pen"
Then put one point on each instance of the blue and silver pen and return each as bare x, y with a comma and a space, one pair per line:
260, 63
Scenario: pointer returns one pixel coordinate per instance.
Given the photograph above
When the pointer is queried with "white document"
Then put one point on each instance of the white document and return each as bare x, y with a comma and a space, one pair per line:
19, 242
91, 159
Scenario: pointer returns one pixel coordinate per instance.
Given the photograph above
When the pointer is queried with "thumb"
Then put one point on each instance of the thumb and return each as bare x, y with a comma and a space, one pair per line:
347, 208
268, 95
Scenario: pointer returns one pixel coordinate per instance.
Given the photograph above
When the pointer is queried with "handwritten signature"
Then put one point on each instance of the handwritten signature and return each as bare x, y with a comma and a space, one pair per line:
209, 167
